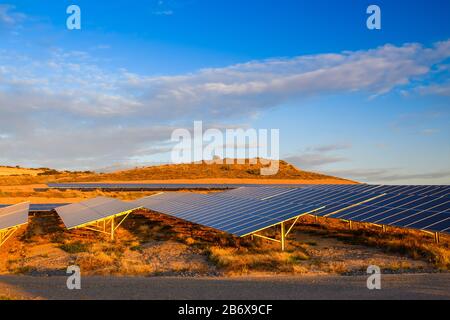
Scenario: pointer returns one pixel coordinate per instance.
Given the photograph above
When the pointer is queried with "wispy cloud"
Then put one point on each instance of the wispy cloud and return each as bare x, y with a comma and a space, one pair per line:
392, 175
429, 131
9, 17
329, 147
313, 160
94, 108
164, 8
163, 13
318, 156
435, 89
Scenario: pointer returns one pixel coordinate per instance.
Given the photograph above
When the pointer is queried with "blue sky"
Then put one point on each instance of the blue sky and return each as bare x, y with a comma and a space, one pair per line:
371, 105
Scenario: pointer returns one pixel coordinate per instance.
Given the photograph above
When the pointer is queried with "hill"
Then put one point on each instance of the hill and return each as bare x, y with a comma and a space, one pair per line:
208, 170
201, 171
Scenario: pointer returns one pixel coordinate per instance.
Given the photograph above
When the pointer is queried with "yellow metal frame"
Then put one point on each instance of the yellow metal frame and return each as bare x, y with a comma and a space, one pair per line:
435, 234
283, 232
7, 233
107, 225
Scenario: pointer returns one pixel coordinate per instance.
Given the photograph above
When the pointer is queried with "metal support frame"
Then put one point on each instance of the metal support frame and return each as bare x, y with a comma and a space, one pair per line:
5, 234
283, 231
283, 237
107, 226
435, 234
436, 237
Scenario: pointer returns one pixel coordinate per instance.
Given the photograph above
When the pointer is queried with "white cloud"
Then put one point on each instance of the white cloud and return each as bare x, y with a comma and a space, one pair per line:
163, 13
8, 17
313, 160
392, 176
429, 131
318, 156
95, 109
435, 89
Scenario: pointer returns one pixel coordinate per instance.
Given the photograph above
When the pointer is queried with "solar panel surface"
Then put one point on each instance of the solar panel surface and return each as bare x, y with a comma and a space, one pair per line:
238, 216
85, 212
41, 207
401, 206
15, 215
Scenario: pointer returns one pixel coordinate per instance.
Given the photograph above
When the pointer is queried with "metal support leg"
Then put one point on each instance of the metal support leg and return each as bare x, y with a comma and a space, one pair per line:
283, 237
436, 237
6, 234
350, 225
384, 228
112, 229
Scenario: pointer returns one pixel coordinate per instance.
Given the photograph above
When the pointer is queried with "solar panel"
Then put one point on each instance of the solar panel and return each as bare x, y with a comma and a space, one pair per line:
41, 207
425, 190
85, 212
400, 206
138, 186
235, 215
258, 192
14, 215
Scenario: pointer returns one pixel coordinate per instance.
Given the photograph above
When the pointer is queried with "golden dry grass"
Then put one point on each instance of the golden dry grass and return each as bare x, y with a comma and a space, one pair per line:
414, 244
17, 171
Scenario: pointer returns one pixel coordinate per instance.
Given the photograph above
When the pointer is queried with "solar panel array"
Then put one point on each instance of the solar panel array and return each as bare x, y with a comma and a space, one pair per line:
139, 186
41, 207
247, 208
236, 215
15, 215
423, 190
417, 207
89, 211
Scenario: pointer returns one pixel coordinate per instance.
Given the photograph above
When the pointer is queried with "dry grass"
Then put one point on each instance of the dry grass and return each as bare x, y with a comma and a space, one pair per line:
414, 244
18, 171
246, 261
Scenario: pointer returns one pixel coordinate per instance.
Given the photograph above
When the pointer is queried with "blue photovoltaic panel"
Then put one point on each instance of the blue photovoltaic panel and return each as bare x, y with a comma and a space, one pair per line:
398, 206
14, 215
423, 207
147, 186
408, 211
425, 190
430, 190
78, 214
238, 216
261, 193
42, 207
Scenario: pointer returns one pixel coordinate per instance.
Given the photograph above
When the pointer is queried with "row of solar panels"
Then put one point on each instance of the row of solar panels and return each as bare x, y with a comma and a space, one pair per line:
424, 212
72, 215
246, 210
425, 190
140, 186
15, 215
238, 216
40, 207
